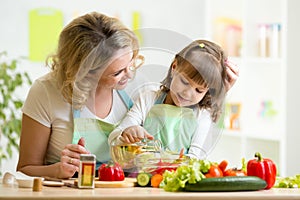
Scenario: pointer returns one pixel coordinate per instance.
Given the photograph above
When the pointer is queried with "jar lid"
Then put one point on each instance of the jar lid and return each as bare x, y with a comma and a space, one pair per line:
87, 157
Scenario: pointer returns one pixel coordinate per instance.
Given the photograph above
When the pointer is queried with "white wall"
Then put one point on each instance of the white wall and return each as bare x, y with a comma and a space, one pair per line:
293, 88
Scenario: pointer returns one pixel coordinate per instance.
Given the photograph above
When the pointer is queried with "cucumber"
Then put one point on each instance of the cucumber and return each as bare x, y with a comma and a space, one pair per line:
144, 179
227, 184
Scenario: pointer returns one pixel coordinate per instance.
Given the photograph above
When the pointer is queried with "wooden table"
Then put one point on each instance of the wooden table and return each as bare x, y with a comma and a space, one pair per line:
135, 193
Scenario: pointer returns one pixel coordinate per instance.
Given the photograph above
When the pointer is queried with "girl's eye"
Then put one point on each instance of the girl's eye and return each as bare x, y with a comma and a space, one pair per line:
199, 91
185, 82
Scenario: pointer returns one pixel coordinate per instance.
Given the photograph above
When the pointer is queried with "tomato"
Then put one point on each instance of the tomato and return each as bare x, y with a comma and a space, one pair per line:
214, 171
163, 166
234, 172
222, 165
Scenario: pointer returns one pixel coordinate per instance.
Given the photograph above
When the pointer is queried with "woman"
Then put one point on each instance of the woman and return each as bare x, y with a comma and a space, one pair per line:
90, 45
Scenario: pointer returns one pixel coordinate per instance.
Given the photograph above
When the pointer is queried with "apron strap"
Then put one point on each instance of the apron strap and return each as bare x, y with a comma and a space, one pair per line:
125, 98
161, 98
76, 113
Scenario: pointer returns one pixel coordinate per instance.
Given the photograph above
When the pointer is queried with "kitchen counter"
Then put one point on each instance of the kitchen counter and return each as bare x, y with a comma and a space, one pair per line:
136, 193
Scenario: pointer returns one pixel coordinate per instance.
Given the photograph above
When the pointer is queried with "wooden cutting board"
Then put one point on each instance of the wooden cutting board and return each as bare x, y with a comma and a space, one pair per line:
128, 182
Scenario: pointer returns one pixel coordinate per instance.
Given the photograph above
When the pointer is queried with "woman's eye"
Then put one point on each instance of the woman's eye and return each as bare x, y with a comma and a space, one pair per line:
117, 73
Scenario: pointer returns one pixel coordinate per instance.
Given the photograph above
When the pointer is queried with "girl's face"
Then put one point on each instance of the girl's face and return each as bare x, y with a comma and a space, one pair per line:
118, 72
185, 92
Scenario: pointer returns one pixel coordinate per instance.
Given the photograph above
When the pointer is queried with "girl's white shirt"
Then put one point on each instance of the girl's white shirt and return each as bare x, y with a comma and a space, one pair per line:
204, 138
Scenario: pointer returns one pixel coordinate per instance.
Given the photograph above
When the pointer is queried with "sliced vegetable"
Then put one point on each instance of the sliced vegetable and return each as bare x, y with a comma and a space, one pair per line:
263, 168
229, 183
111, 172
181, 153
156, 179
143, 179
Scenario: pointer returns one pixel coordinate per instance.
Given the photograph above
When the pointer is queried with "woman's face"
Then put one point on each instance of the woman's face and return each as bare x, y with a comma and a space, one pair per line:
118, 72
185, 92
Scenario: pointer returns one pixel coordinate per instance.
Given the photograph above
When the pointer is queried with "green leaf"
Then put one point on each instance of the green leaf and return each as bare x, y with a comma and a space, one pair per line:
191, 173
10, 107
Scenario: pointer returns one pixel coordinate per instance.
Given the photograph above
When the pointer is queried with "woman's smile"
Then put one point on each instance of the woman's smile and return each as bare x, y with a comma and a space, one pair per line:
123, 82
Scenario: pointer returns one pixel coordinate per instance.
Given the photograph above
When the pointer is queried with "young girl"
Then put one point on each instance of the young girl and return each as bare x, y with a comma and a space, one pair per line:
183, 113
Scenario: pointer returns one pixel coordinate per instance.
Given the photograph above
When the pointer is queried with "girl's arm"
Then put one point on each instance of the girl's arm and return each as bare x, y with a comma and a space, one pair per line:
134, 134
130, 129
204, 137
33, 146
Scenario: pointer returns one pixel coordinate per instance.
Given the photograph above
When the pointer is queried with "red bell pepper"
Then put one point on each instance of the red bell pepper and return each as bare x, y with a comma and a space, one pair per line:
111, 172
263, 168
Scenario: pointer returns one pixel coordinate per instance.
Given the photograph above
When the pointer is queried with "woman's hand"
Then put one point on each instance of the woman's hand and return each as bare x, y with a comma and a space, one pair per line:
232, 74
135, 134
69, 161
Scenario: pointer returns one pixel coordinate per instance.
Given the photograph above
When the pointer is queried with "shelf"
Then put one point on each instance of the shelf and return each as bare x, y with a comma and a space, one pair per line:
266, 137
275, 136
260, 89
231, 133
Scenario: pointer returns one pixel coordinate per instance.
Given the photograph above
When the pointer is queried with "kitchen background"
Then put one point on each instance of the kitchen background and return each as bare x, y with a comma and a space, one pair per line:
262, 37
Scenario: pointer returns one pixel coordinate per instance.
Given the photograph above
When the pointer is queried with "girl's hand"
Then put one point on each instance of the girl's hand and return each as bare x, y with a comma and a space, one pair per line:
232, 74
135, 134
69, 161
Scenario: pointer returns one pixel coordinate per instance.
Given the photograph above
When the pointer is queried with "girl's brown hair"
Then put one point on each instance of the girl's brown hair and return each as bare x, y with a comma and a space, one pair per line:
203, 62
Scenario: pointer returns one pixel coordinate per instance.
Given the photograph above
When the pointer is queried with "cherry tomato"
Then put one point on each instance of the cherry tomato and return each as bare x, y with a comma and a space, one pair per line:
222, 165
234, 172
214, 171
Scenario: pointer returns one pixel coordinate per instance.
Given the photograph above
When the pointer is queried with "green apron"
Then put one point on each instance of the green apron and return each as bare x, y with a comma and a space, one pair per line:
173, 126
96, 132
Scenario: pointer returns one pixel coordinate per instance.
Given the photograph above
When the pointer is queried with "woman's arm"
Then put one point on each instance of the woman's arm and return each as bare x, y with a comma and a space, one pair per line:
33, 146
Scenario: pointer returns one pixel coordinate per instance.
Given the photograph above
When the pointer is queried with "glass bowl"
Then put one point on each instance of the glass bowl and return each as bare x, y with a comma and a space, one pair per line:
159, 165
126, 154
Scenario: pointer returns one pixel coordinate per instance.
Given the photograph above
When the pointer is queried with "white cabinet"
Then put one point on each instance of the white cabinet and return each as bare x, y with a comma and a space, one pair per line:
261, 89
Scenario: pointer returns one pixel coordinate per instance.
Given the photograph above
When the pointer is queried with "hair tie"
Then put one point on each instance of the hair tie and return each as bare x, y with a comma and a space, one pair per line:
201, 45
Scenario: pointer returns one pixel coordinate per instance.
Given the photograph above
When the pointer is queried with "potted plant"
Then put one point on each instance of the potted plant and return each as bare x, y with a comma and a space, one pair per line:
12, 80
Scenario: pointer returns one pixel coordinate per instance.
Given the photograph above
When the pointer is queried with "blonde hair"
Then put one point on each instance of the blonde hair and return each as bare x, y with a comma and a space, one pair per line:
203, 62
87, 43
